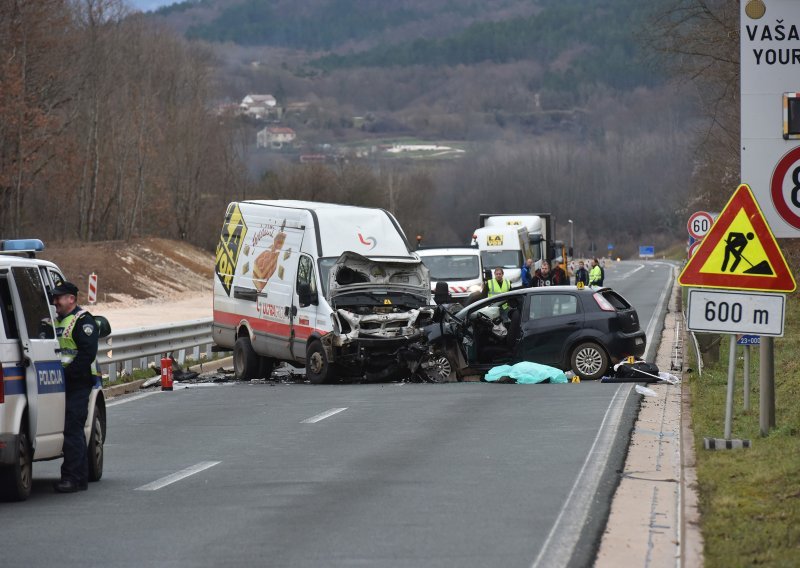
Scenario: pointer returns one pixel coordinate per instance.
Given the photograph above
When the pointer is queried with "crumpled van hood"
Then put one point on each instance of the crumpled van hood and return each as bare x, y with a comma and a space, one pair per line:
353, 272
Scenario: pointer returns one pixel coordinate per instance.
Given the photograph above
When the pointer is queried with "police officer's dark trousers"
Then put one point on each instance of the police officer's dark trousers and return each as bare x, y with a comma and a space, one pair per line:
76, 466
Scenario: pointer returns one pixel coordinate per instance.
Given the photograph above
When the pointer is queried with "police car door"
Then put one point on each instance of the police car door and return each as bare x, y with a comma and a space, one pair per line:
44, 375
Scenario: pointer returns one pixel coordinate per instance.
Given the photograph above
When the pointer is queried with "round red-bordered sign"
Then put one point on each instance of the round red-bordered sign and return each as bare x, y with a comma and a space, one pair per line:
694, 247
699, 224
785, 202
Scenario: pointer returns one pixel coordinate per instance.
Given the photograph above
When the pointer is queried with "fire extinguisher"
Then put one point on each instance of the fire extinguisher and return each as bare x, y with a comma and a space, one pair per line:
166, 373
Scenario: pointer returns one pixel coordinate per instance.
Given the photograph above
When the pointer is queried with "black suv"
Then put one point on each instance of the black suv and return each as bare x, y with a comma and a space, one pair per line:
585, 330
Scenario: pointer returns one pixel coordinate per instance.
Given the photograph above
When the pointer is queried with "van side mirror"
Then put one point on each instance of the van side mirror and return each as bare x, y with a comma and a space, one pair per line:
305, 296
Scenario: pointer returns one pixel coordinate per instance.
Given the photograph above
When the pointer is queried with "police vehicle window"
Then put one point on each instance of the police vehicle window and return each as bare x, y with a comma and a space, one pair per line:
305, 274
7, 310
35, 307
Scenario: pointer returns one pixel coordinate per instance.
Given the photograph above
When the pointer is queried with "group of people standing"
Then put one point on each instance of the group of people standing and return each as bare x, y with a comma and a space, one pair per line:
557, 276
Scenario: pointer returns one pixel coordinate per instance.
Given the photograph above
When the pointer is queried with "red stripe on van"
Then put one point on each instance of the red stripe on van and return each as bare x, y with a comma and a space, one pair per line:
266, 326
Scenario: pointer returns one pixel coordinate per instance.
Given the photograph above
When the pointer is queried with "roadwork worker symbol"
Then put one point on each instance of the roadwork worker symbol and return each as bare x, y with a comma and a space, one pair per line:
735, 243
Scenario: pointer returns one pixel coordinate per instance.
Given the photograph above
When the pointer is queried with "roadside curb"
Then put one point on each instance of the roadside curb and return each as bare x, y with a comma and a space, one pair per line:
654, 519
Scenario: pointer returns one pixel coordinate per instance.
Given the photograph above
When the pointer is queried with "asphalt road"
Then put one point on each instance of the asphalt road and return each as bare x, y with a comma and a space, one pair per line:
395, 475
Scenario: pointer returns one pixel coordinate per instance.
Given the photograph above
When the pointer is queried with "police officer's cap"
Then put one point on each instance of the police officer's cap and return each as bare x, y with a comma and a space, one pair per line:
65, 288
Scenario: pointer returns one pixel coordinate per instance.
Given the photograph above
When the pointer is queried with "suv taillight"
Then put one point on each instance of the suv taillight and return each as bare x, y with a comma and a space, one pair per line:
2, 386
604, 304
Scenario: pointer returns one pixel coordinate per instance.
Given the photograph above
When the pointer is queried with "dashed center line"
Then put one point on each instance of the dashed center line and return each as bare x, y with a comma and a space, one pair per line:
177, 476
323, 416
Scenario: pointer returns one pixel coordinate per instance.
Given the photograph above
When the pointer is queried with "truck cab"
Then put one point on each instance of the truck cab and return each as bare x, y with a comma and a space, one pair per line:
505, 247
32, 386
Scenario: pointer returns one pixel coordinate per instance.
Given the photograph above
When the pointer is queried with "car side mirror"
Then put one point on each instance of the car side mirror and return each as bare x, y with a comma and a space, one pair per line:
305, 296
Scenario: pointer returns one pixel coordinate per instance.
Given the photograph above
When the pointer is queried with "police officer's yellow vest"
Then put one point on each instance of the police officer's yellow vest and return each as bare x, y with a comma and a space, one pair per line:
69, 349
495, 288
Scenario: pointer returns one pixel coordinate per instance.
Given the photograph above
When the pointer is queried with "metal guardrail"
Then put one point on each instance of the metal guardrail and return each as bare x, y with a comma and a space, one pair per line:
137, 347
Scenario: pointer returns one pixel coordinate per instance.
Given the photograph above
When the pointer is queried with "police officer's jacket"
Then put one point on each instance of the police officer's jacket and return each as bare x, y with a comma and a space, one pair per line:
77, 337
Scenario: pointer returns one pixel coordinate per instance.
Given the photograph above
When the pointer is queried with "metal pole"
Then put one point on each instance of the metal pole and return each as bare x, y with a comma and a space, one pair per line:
571, 235
766, 377
747, 377
729, 399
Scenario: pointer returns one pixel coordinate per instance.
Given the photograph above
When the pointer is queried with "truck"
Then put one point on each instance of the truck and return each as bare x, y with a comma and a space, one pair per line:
506, 247
539, 227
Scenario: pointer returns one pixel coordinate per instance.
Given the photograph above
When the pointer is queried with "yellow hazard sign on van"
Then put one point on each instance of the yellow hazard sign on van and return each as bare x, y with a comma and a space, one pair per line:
494, 240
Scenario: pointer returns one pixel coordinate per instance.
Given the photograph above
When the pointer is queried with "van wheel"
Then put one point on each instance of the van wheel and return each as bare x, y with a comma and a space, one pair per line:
318, 369
97, 437
16, 479
589, 361
245, 361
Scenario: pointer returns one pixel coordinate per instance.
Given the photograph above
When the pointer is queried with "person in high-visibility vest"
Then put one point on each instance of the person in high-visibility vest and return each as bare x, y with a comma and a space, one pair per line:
595, 274
498, 284
77, 338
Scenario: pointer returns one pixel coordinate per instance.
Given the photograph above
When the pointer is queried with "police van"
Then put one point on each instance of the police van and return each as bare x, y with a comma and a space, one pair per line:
32, 388
334, 288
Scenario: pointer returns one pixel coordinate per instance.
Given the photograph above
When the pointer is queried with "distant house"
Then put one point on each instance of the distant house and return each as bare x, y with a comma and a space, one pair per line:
258, 106
275, 137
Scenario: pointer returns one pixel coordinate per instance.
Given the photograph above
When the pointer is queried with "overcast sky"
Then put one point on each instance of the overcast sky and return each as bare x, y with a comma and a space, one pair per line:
145, 5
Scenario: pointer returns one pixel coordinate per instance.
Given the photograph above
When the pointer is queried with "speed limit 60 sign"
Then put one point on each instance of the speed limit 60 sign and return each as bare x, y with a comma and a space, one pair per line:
699, 224
736, 312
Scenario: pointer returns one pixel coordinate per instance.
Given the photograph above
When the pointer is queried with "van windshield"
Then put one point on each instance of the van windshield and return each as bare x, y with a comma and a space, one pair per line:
501, 259
325, 265
452, 267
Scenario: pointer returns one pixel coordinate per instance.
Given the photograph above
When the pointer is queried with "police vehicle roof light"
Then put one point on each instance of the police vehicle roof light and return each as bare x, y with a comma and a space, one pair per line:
21, 245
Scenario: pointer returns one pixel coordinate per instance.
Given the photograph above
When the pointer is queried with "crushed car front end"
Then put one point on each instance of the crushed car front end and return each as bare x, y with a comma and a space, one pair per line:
380, 309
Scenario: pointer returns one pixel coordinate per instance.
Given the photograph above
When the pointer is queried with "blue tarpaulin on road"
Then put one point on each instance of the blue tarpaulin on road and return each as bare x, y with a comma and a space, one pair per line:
526, 373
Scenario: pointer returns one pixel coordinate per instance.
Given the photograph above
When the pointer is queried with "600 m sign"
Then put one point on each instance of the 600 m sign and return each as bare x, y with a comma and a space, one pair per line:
736, 312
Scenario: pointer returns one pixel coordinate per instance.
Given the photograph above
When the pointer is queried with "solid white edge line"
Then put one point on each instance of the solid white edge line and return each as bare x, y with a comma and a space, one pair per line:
177, 476
651, 327
323, 416
560, 543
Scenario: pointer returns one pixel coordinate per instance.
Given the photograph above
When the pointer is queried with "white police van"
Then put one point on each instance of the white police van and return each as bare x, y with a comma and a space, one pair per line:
32, 389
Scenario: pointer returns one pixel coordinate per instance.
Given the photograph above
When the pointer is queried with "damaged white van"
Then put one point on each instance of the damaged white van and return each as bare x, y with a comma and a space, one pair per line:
334, 288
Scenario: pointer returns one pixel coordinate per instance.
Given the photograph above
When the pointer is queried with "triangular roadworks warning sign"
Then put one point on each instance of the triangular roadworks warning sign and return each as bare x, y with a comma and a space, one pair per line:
739, 252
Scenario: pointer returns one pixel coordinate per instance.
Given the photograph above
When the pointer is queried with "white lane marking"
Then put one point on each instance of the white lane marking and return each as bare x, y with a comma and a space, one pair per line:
560, 543
132, 398
323, 416
177, 476
629, 273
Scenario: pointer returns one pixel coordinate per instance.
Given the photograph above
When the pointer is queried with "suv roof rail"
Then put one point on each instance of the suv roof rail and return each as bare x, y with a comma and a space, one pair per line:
27, 247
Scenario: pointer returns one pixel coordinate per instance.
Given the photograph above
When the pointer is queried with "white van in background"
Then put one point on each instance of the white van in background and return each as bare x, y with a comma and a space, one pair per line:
460, 267
506, 247
332, 287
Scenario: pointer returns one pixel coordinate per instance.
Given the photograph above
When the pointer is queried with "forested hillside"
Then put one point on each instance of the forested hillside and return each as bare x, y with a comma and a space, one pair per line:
553, 105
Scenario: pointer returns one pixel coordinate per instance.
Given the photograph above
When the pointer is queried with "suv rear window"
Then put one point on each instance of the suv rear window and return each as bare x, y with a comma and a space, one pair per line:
616, 300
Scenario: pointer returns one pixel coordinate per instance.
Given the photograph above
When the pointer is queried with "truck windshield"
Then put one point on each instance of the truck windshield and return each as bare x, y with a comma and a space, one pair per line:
452, 267
501, 258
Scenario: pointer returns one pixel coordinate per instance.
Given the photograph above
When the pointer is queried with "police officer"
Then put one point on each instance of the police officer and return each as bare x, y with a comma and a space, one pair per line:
77, 337
498, 284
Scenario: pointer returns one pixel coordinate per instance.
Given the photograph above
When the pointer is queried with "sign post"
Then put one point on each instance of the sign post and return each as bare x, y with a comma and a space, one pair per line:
738, 268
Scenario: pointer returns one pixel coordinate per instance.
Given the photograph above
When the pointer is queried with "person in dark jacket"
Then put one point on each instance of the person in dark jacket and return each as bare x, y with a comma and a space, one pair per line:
77, 337
543, 276
559, 276
526, 274
582, 275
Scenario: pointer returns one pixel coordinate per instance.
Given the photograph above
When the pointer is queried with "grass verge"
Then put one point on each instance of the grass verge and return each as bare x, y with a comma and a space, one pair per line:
750, 499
